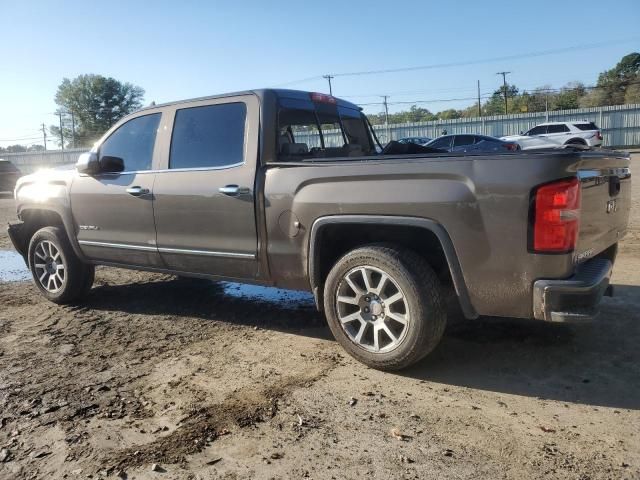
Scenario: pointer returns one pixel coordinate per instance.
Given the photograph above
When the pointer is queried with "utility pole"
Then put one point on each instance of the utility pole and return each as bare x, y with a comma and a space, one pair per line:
73, 129
44, 134
386, 117
61, 132
479, 105
329, 77
504, 82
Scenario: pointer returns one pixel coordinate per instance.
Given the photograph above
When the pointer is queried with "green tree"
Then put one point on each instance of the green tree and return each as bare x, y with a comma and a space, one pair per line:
449, 114
569, 96
632, 95
97, 103
495, 104
15, 149
612, 84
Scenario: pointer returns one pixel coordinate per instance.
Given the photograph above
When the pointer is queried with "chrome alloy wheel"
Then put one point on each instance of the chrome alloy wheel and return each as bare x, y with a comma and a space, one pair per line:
49, 266
372, 309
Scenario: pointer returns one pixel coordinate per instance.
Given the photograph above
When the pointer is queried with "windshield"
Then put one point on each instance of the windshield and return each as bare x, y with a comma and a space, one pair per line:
308, 130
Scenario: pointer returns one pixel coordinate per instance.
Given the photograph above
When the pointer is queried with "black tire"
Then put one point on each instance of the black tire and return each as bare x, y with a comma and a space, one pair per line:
425, 306
76, 278
576, 142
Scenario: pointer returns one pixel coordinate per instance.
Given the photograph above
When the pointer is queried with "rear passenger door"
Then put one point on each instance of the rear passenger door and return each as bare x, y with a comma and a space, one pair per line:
463, 143
558, 134
204, 205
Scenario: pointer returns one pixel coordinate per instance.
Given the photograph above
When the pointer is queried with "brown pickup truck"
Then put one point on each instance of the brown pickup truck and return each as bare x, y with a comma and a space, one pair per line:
287, 188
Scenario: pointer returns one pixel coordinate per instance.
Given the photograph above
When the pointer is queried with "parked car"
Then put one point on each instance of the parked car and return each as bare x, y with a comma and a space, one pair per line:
472, 143
416, 140
9, 175
228, 189
557, 134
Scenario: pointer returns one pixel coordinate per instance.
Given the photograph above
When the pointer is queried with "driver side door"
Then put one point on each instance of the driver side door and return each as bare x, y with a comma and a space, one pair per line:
113, 211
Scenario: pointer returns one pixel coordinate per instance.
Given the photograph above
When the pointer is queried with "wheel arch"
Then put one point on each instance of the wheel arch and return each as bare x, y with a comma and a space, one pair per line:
429, 230
35, 217
576, 140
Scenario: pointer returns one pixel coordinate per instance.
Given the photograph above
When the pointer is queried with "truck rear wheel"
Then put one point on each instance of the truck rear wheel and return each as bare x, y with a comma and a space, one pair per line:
384, 306
57, 271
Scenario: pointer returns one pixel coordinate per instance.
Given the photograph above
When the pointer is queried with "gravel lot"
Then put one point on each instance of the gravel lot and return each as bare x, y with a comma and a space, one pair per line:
208, 380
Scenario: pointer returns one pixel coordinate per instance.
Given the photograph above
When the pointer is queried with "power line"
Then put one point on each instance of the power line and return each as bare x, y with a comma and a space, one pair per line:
541, 53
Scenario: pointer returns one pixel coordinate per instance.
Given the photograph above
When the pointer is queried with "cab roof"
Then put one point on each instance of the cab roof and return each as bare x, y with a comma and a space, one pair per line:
261, 93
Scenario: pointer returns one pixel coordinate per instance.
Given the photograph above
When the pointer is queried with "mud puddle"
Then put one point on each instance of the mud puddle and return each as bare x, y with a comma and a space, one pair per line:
12, 267
276, 296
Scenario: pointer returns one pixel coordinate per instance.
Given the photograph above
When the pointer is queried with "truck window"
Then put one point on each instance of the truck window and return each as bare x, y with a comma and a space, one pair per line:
308, 130
208, 137
133, 142
559, 128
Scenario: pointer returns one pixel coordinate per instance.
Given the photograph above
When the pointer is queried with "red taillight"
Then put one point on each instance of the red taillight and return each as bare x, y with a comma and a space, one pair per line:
512, 147
599, 135
556, 217
323, 98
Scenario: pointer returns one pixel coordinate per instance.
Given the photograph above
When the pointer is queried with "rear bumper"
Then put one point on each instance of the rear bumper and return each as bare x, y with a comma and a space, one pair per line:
576, 298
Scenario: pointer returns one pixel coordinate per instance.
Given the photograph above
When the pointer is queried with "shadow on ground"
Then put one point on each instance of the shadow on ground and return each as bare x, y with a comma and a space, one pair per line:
594, 364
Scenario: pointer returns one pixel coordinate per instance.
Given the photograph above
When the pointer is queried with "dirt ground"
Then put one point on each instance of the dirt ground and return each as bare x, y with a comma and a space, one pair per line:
155, 377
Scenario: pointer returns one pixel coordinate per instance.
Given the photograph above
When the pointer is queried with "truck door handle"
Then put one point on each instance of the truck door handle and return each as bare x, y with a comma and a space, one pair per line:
137, 191
233, 190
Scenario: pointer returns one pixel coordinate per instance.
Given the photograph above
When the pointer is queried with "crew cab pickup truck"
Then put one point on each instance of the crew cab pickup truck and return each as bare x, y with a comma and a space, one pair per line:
286, 188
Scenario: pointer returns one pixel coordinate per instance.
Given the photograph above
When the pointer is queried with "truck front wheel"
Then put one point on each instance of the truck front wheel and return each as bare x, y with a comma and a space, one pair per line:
384, 306
57, 272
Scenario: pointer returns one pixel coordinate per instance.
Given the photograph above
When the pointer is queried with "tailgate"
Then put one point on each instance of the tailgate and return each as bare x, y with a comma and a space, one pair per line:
606, 201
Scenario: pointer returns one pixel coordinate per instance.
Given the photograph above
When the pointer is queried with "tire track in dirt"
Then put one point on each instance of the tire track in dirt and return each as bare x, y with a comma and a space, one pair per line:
247, 406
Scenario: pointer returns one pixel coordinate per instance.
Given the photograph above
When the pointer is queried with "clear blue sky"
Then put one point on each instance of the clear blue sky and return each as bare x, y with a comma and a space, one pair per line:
185, 49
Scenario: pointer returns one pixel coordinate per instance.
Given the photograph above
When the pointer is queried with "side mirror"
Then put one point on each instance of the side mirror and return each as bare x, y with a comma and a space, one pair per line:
111, 164
521, 132
88, 163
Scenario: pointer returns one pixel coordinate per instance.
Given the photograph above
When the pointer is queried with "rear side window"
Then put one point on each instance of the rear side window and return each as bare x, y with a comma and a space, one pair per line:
462, 140
586, 126
561, 128
209, 136
486, 139
308, 130
133, 142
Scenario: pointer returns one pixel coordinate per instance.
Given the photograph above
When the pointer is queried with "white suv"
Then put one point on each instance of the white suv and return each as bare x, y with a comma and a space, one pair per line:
557, 134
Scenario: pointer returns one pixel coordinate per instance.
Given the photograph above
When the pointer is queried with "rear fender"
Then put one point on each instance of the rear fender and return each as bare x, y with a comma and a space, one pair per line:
447, 246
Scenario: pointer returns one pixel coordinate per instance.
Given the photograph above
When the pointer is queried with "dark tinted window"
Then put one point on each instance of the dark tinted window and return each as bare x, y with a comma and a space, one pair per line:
7, 167
539, 130
133, 142
462, 140
309, 130
557, 128
586, 126
442, 142
211, 136
484, 138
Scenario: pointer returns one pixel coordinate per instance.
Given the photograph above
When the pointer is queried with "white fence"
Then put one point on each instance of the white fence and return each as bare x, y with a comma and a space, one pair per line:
29, 162
620, 126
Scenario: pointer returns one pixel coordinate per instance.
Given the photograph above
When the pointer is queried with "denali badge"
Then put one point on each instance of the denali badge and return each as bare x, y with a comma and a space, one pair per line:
583, 255
88, 227
612, 206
